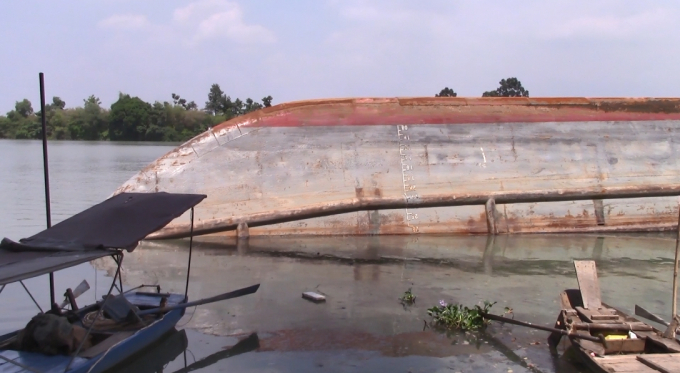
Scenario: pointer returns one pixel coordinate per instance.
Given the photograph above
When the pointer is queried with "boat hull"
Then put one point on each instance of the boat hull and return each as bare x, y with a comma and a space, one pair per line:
130, 346
368, 166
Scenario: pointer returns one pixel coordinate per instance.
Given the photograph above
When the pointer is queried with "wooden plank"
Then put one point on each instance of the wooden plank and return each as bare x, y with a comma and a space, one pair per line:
554, 337
617, 346
671, 344
611, 326
666, 363
589, 346
586, 274
601, 315
625, 366
622, 364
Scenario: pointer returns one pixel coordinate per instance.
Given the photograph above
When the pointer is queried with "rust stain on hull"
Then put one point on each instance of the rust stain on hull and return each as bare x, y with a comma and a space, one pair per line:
408, 165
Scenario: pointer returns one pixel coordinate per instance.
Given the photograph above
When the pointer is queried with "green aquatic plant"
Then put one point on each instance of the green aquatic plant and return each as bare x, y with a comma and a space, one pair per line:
408, 297
457, 316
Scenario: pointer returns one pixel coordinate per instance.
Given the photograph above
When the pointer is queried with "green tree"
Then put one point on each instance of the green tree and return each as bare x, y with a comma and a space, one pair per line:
89, 122
23, 108
237, 108
6, 128
218, 102
178, 101
58, 103
446, 92
95, 119
129, 119
251, 106
267, 101
23, 122
57, 126
55, 120
510, 87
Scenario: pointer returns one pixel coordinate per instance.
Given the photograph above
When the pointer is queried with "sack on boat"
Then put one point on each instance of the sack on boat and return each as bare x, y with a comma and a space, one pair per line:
51, 335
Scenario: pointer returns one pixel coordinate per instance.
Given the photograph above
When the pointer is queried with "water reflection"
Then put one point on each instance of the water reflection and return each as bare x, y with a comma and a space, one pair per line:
248, 344
154, 358
363, 326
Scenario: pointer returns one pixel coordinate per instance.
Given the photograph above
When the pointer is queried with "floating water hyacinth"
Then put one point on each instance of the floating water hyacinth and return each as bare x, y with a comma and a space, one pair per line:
455, 316
408, 297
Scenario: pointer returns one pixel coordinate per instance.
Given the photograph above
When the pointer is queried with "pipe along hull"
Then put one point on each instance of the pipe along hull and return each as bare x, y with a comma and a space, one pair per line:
403, 166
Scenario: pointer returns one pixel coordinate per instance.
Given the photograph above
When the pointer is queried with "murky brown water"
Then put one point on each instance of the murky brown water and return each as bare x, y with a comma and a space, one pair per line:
361, 327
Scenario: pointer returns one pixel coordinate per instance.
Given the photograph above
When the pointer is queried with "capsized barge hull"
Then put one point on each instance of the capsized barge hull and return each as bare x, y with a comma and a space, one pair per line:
427, 165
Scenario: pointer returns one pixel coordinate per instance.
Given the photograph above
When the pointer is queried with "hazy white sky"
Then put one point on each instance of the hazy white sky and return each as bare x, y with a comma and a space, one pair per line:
303, 49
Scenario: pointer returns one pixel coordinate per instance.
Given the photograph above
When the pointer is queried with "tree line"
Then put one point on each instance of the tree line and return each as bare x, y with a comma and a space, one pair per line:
132, 119
128, 119
510, 87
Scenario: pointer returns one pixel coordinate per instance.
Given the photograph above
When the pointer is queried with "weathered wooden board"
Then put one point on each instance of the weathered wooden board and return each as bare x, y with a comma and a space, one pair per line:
625, 365
586, 274
625, 346
602, 315
671, 344
666, 363
622, 364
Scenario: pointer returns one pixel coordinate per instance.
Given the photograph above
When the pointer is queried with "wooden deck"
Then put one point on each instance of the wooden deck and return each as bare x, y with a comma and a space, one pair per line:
652, 363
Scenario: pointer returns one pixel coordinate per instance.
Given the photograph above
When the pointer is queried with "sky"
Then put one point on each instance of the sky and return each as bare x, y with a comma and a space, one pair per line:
308, 49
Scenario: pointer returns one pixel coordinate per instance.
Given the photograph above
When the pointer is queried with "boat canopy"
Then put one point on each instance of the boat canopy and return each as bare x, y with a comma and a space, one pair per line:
120, 222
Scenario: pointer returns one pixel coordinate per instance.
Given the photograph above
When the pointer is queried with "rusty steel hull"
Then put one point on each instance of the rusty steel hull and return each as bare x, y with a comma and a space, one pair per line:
378, 166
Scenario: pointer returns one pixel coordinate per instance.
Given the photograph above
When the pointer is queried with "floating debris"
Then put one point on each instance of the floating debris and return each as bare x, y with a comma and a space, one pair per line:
456, 316
314, 297
408, 297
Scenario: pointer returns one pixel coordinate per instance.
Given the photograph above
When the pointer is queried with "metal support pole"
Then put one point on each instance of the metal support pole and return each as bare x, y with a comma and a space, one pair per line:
46, 170
490, 208
191, 241
674, 305
120, 277
31, 295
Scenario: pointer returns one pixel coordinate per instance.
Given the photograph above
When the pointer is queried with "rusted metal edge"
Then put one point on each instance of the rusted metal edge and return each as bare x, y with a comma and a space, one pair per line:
364, 204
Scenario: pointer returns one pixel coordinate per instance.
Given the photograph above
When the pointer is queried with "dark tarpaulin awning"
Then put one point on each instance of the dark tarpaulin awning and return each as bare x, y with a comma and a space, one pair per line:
119, 222
20, 265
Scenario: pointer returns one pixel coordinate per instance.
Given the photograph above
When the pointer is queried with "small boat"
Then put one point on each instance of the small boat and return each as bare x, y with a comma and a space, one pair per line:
625, 344
103, 335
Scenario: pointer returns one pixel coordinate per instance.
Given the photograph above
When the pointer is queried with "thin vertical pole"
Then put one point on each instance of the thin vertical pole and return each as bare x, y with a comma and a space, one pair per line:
191, 241
674, 306
46, 170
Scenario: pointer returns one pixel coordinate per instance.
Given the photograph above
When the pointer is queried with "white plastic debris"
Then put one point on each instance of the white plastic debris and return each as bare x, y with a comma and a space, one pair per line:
314, 297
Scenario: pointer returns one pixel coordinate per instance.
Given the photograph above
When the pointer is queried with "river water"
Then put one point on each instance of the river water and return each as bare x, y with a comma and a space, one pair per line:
361, 327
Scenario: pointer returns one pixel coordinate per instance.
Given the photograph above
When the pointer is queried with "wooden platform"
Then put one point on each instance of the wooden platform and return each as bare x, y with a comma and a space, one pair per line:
652, 363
